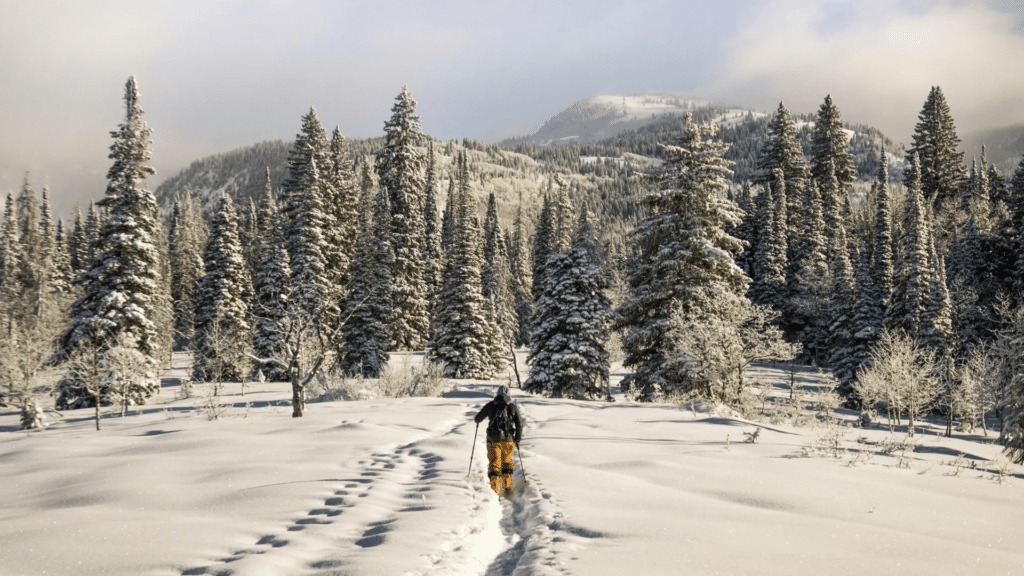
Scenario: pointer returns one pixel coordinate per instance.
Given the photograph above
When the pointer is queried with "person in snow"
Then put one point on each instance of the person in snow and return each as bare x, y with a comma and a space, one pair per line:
504, 431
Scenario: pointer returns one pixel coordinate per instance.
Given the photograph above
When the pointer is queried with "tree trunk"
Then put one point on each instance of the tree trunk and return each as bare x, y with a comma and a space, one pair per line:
298, 398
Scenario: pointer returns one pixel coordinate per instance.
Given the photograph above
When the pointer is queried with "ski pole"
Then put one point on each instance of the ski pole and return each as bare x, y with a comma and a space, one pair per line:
474, 449
521, 466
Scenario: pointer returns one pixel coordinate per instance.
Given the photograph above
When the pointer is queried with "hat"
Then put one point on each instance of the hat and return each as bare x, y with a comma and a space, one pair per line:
502, 390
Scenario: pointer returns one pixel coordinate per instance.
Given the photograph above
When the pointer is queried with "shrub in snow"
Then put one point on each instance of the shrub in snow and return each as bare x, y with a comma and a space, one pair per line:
900, 379
32, 415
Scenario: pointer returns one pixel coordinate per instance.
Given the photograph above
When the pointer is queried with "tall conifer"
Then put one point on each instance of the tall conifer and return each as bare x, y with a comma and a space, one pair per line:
681, 258
400, 166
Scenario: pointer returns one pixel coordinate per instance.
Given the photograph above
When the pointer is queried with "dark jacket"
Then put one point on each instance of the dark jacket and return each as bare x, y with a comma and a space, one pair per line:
490, 409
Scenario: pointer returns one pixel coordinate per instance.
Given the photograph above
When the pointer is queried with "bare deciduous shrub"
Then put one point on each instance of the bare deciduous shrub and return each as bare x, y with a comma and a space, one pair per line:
900, 378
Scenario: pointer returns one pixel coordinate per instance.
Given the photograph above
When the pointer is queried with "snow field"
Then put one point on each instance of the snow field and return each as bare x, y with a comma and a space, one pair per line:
381, 487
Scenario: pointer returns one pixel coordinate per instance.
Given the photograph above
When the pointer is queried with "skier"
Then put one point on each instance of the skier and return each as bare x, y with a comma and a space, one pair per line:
504, 431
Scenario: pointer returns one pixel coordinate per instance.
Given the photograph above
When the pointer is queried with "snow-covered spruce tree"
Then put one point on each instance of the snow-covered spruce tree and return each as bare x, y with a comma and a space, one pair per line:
912, 278
492, 233
31, 265
522, 277
567, 354
78, 245
829, 144
303, 217
449, 212
463, 339
271, 290
504, 301
432, 254
770, 261
61, 274
93, 223
746, 230
937, 325
881, 260
782, 151
366, 336
120, 286
561, 237
812, 288
542, 238
835, 202
866, 323
936, 145
842, 312
9, 247
221, 342
187, 240
341, 197
400, 166
681, 259
47, 227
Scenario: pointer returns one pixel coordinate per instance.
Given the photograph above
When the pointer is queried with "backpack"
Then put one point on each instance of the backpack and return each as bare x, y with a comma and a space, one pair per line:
502, 421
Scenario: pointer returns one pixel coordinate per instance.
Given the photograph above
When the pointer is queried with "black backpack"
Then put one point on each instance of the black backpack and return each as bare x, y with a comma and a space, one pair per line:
502, 421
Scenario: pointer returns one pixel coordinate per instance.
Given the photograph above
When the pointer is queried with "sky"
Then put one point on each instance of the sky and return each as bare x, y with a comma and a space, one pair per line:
217, 75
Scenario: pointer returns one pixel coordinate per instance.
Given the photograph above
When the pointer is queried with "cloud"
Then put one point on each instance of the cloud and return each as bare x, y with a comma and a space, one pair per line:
879, 60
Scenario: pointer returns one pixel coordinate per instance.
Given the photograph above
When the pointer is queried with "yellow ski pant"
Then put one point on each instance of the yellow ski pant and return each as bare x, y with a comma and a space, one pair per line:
500, 464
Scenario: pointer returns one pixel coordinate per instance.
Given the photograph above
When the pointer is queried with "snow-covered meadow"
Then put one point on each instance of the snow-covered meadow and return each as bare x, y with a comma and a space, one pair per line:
380, 487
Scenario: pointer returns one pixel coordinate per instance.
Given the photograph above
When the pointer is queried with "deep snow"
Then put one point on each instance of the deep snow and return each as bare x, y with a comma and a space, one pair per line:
381, 487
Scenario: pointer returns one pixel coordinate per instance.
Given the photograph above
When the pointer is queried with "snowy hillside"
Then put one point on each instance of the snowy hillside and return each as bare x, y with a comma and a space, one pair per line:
380, 487
600, 117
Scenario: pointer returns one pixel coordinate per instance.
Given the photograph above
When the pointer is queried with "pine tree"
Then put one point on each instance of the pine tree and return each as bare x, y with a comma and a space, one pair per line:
746, 231
866, 324
61, 274
431, 227
93, 223
78, 244
1015, 198
366, 336
489, 271
341, 198
771, 261
811, 292
463, 339
781, 151
842, 313
120, 288
449, 212
503, 300
9, 246
542, 239
222, 333
185, 246
561, 237
567, 353
912, 277
271, 290
881, 263
522, 277
31, 264
829, 144
997, 188
681, 258
400, 167
47, 228
302, 210
936, 144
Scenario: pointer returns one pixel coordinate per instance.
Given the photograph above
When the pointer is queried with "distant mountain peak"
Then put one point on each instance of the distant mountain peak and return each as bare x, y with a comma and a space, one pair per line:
599, 117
